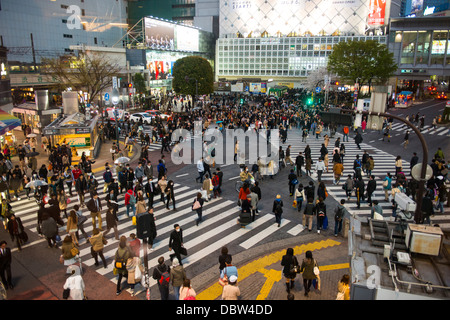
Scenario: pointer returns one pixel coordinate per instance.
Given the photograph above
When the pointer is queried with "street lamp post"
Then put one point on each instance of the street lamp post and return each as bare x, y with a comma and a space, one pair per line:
420, 190
115, 101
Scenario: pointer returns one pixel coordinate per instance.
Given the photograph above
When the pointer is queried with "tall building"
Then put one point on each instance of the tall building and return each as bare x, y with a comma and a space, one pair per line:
286, 40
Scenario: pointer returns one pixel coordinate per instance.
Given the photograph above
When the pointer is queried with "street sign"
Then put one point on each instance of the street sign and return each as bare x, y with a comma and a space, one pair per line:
114, 82
318, 89
106, 96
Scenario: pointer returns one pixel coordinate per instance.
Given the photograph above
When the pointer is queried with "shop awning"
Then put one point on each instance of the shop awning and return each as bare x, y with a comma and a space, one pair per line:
8, 122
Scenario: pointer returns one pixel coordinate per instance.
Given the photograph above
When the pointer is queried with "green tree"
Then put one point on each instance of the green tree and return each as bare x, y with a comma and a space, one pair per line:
363, 62
191, 70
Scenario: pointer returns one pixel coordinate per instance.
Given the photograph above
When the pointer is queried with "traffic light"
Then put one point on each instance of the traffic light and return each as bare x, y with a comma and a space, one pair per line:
334, 83
242, 100
310, 101
130, 85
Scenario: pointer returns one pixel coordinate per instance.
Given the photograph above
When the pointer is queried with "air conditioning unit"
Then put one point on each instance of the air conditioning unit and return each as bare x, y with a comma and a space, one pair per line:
424, 239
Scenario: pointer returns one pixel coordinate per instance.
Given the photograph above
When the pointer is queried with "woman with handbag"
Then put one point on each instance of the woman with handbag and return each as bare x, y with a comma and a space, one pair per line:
72, 226
97, 241
74, 286
198, 207
307, 270
69, 252
290, 268
186, 291
135, 270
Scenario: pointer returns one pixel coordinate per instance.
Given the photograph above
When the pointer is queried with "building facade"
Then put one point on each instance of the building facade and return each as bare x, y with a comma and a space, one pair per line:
421, 47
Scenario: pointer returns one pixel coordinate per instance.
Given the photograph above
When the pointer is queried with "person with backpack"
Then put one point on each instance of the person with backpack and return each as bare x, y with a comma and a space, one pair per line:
121, 256
321, 213
130, 202
338, 217
161, 273
278, 209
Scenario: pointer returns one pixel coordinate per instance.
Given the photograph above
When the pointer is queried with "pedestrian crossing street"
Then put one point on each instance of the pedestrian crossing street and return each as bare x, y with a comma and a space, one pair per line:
218, 228
384, 163
428, 129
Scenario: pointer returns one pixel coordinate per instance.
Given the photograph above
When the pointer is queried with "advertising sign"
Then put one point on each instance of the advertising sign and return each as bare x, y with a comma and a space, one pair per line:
160, 64
377, 12
159, 34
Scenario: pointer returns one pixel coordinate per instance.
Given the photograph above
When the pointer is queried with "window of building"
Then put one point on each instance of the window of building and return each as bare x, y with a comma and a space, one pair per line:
408, 47
439, 46
67, 35
423, 47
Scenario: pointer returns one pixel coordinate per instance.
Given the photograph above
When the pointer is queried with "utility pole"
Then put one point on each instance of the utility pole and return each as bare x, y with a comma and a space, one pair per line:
421, 189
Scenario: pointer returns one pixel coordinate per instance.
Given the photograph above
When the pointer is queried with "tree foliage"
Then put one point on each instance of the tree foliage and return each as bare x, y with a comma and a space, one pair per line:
363, 62
189, 69
89, 73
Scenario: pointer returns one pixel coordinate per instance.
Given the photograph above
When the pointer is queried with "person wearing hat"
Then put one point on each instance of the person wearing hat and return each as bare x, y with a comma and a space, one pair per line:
278, 209
231, 290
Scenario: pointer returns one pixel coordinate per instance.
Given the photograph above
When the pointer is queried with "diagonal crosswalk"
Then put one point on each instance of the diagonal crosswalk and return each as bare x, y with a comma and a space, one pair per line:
384, 163
218, 228
429, 129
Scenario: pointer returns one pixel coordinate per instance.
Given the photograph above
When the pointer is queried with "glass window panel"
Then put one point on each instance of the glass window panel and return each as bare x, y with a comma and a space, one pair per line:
438, 47
423, 47
408, 47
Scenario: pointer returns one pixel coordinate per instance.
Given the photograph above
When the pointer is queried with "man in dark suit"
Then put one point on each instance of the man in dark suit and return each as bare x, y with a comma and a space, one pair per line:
5, 265
176, 242
95, 207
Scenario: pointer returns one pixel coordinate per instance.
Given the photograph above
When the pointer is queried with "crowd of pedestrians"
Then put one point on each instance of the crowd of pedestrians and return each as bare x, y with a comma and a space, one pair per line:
143, 186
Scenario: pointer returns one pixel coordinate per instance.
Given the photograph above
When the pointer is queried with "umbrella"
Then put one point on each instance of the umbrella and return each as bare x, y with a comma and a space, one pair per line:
121, 160
219, 121
36, 183
32, 135
32, 154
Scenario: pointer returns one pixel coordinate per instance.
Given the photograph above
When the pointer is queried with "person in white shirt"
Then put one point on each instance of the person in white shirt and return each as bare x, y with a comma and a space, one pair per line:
320, 166
76, 285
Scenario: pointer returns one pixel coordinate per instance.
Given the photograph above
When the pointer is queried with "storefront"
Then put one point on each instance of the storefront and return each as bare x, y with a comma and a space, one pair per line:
31, 116
80, 134
7, 138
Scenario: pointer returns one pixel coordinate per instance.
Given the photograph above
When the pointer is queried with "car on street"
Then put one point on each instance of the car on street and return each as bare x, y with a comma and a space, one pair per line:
137, 117
442, 96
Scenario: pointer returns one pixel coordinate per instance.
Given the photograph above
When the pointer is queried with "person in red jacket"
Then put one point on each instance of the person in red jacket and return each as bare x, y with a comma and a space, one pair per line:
243, 193
76, 172
130, 202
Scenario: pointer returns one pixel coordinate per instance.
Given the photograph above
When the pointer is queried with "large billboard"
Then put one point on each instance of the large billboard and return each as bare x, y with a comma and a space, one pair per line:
299, 17
377, 12
160, 64
159, 35
163, 35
